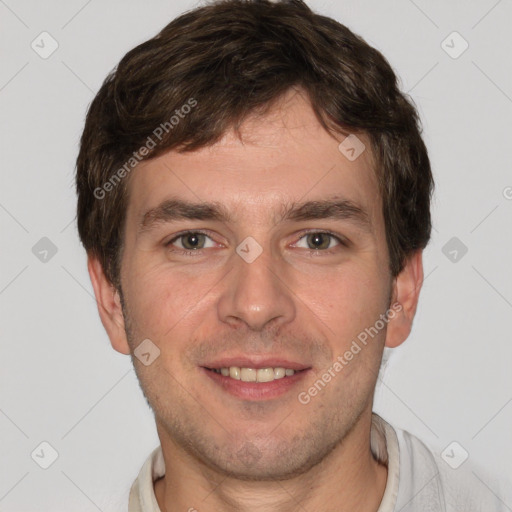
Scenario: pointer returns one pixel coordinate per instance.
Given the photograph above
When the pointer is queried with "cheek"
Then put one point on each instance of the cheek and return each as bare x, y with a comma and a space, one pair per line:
163, 300
348, 300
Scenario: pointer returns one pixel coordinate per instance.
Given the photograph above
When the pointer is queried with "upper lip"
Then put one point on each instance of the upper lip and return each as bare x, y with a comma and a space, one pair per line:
256, 362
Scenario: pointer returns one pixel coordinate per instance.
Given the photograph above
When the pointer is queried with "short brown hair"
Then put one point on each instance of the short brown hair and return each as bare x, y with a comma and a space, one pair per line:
233, 58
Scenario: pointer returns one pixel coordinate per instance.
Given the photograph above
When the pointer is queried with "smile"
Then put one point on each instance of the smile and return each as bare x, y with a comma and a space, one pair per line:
254, 374
256, 383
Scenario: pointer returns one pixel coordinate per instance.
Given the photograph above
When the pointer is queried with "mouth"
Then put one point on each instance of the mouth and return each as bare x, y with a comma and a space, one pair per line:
255, 374
248, 380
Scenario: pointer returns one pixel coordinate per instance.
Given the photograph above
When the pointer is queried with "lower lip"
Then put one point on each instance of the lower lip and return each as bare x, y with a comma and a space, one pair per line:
256, 390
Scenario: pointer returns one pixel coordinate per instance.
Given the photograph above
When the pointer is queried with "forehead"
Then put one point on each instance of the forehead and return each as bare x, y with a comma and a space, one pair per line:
281, 157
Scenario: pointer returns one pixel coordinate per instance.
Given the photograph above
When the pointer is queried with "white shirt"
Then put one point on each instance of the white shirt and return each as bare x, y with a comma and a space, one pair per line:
418, 479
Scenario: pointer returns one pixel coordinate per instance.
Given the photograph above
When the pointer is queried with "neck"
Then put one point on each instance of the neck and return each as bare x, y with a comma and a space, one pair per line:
349, 478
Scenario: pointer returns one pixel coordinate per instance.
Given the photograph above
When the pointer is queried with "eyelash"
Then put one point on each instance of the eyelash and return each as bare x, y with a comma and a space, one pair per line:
195, 252
198, 252
316, 252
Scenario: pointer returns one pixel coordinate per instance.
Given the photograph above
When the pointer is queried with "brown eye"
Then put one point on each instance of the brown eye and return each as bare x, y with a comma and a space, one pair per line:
193, 241
321, 242
318, 240
190, 241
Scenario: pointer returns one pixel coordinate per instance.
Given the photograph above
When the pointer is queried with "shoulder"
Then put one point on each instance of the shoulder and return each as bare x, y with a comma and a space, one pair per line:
142, 495
430, 480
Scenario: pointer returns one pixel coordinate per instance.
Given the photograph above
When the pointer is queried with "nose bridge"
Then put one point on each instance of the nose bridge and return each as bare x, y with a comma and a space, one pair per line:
254, 292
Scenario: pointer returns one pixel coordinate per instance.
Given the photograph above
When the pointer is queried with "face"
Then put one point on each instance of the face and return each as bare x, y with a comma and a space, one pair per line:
284, 267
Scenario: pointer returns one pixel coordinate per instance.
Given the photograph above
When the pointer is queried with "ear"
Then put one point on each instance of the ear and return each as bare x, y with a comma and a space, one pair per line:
406, 292
109, 306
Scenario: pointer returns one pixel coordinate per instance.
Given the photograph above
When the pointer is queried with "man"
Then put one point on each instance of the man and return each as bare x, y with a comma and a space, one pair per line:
253, 196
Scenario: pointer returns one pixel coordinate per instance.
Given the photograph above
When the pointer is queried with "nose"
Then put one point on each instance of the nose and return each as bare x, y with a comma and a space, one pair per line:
256, 294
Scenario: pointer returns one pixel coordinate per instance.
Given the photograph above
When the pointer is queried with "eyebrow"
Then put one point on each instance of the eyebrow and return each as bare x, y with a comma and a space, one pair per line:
334, 208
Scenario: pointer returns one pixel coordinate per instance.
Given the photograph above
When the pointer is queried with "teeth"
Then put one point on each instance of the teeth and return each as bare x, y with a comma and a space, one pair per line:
248, 374
279, 373
265, 375
255, 375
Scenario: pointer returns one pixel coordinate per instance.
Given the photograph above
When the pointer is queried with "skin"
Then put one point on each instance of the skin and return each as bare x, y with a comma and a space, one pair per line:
306, 307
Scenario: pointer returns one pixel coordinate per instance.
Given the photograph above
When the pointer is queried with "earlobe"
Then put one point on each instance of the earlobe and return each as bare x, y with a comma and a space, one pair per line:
406, 291
109, 306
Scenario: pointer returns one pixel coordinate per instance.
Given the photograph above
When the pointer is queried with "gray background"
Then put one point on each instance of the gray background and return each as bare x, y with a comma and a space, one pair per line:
61, 382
